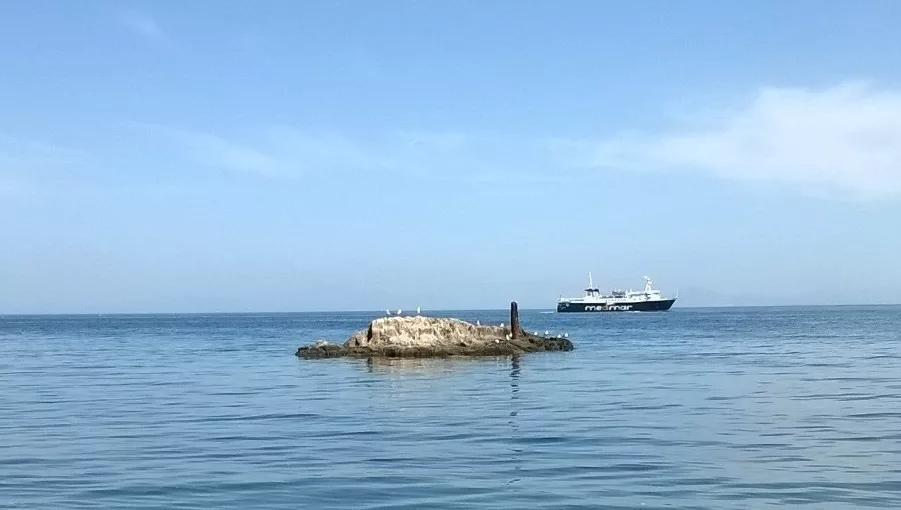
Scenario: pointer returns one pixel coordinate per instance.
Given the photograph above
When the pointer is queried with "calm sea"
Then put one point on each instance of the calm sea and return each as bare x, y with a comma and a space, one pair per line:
704, 408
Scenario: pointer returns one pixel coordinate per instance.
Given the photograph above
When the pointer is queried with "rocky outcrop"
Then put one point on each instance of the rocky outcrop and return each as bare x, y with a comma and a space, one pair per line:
418, 337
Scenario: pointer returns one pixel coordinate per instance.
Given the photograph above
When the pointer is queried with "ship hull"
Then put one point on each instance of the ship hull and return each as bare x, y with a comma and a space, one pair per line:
660, 305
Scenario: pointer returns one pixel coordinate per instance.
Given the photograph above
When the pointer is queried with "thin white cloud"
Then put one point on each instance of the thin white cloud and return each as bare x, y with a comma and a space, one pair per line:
289, 152
22, 154
26, 164
843, 141
302, 152
144, 25
216, 151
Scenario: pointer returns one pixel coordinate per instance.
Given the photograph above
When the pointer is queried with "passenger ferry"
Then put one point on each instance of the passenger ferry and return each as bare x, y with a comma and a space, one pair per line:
647, 300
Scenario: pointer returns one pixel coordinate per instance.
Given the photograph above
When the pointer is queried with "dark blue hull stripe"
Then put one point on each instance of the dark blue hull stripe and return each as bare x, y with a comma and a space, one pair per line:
642, 306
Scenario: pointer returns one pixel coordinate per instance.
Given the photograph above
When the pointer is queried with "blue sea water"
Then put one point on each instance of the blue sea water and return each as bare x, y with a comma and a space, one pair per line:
694, 408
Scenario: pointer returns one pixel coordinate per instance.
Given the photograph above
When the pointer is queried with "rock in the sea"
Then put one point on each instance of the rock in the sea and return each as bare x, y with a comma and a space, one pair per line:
418, 337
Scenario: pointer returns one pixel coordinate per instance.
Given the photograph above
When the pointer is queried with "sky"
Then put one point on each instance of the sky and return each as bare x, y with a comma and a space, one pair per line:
212, 156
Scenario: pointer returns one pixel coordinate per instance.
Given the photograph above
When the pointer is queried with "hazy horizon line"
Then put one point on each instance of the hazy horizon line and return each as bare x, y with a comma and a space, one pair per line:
424, 312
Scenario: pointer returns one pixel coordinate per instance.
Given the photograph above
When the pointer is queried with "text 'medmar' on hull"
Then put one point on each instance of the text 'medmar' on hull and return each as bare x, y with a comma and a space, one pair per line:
647, 300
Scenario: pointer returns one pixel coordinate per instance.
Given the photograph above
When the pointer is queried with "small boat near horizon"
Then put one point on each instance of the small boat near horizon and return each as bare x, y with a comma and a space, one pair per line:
647, 300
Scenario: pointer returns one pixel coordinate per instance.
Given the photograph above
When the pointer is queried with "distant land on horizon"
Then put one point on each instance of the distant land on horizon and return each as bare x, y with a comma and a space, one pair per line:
408, 312
692, 296
551, 308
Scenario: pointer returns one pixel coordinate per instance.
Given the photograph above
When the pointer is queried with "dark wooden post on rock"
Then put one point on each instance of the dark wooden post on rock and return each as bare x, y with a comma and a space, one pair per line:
514, 320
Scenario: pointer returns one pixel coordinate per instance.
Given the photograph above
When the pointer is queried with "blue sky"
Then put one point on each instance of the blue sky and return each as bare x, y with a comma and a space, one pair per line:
288, 156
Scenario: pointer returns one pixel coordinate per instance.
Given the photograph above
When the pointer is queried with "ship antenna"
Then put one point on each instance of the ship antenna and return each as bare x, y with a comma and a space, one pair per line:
590, 283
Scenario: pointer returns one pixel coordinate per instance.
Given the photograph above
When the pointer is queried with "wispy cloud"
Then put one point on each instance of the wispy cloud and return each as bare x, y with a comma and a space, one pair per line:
842, 141
24, 163
144, 25
276, 152
288, 152
213, 150
22, 154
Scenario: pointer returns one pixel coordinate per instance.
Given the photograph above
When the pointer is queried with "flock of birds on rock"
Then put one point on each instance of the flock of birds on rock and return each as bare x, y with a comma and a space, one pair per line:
478, 323
400, 312
547, 333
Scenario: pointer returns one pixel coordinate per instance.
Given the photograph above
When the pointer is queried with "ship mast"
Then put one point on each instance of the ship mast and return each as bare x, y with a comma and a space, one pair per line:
590, 291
